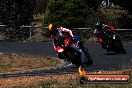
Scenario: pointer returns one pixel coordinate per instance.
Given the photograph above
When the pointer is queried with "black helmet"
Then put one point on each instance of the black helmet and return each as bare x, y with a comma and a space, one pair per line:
99, 26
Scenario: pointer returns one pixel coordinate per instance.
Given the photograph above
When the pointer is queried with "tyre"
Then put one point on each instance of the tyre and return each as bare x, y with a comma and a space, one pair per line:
118, 47
74, 57
90, 61
124, 51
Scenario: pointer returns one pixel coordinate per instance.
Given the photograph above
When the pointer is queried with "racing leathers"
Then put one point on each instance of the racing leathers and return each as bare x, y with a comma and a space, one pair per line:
108, 29
59, 38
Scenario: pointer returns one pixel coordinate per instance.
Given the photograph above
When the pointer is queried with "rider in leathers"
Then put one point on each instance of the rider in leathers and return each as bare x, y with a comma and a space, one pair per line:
59, 34
103, 27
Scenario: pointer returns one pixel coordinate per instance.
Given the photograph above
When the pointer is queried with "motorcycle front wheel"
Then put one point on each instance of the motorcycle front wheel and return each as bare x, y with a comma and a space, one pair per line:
74, 56
118, 47
90, 61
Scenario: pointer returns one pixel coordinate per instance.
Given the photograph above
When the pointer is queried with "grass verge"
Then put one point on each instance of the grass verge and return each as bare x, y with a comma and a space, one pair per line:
58, 81
12, 62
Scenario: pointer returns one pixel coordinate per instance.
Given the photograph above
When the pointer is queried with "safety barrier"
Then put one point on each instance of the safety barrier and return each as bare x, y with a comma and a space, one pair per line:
47, 27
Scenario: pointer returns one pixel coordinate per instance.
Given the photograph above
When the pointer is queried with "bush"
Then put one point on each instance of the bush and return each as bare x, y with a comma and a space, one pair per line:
40, 6
69, 13
14, 13
115, 16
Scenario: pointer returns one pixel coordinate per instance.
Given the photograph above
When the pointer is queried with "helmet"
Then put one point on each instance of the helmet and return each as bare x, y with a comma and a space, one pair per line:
99, 26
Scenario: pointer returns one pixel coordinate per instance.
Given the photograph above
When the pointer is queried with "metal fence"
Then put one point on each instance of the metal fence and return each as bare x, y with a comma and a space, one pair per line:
32, 29
7, 31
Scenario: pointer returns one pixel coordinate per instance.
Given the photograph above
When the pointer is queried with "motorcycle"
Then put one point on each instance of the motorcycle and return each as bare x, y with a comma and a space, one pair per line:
110, 41
73, 51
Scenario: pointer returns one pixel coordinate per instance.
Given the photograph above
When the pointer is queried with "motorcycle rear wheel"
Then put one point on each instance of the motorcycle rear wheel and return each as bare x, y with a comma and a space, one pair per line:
118, 47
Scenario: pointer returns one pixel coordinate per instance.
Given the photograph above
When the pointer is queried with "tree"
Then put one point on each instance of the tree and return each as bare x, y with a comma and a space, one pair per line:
125, 4
16, 13
70, 13
41, 6
125, 19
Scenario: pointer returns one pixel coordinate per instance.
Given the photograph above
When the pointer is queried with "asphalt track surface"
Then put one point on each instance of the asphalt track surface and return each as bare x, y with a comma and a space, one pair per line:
102, 60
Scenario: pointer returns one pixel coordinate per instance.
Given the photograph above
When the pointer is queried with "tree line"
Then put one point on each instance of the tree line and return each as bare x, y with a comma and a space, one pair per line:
67, 13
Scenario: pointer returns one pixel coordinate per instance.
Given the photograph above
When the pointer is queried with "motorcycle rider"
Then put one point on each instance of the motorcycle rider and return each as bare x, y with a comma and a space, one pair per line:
100, 26
59, 34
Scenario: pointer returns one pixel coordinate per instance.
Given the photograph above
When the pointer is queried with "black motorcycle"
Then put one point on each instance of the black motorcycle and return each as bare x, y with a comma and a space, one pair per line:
110, 41
72, 50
